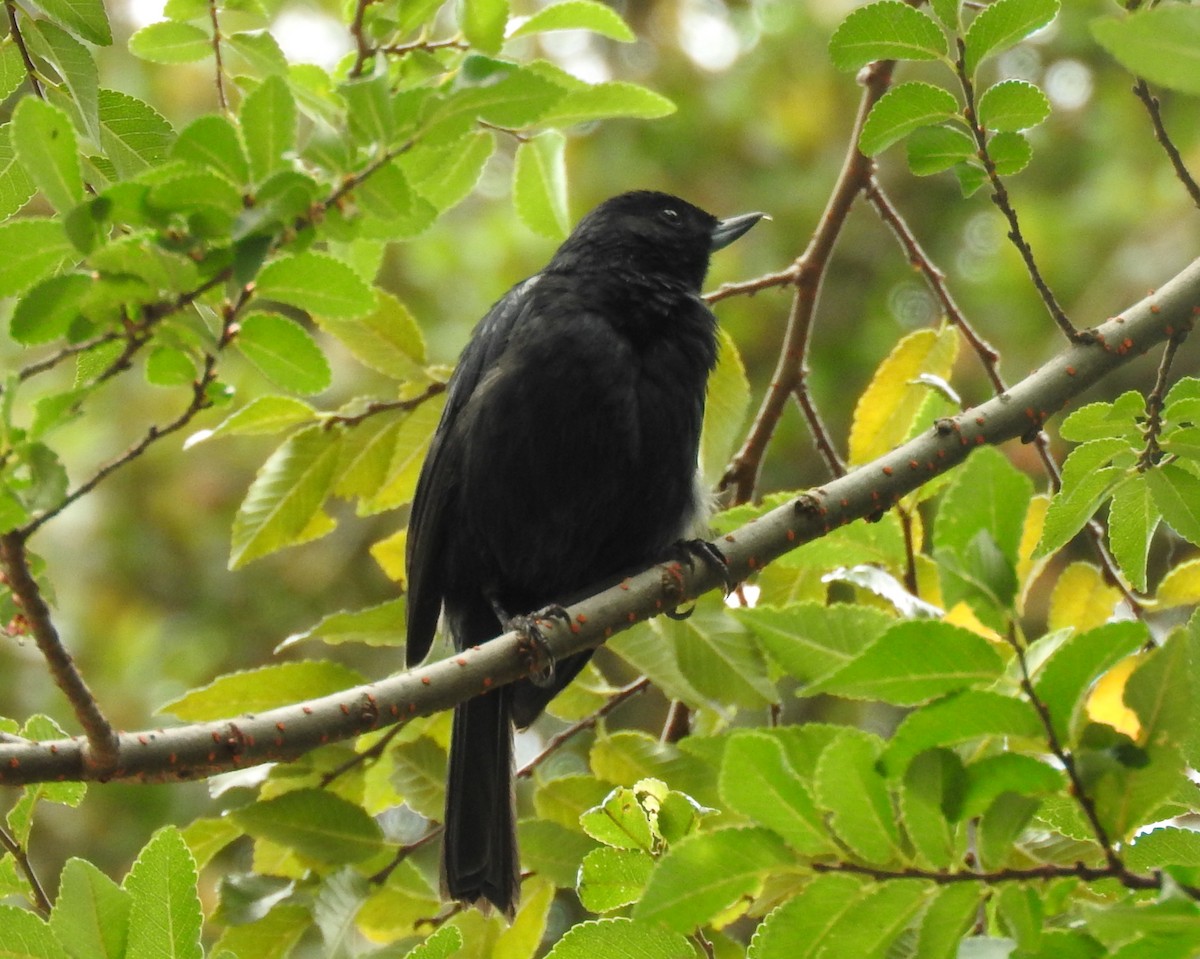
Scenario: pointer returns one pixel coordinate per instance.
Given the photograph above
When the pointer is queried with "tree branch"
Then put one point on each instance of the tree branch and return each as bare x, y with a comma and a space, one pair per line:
205, 748
1142, 92
30, 70
14, 849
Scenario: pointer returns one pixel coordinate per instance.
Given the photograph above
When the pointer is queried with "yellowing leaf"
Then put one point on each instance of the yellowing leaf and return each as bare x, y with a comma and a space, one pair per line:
886, 410
1081, 599
962, 615
1180, 587
389, 554
1106, 704
1029, 568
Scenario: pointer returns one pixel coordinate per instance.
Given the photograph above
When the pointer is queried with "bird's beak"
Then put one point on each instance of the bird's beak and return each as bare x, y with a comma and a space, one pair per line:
726, 231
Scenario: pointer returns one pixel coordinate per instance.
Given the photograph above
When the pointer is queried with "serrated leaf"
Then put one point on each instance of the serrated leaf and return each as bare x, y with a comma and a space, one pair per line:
483, 22
284, 352
168, 366
134, 135
576, 15
540, 184
256, 690
286, 496
705, 873
318, 283
32, 248
1075, 504
552, 850
85, 18
1161, 44
47, 311
725, 410
913, 662
314, 822
612, 878
1181, 585
1010, 153
381, 625
1004, 23
1165, 846
75, 64
884, 413
959, 718
713, 654
388, 339
1133, 517
934, 149
262, 416
164, 914
886, 30
902, 110
1012, 105
24, 935
170, 41
1081, 598
268, 122
261, 51
15, 186
1176, 493
758, 782
620, 938
212, 141
369, 105
91, 913
606, 100
850, 789
12, 70
800, 926
445, 178
810, 640
45, 143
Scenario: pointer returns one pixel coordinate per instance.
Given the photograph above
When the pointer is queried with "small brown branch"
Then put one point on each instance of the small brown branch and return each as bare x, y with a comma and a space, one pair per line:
767, 281
386, 406
1142, 92
403, 49
101, 751
1079, 870
222, 102
30, 69
14, 849
1004, 205
1152, 452
364, 50
380, 877
910, 551
816, 426
51, 361
679, 723
809, 271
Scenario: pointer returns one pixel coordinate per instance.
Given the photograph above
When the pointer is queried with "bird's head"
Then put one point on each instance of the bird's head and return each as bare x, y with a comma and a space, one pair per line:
652, 235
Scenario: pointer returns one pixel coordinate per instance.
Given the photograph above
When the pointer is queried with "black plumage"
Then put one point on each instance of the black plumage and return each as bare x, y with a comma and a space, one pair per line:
566, 456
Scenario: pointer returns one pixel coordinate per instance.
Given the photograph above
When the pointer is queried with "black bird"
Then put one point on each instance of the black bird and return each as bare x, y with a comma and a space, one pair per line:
566, 456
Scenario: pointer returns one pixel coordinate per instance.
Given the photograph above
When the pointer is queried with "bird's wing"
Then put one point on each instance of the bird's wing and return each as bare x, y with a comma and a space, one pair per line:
433, 504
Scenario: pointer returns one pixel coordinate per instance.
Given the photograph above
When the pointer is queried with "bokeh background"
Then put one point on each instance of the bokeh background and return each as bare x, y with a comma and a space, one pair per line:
143, 595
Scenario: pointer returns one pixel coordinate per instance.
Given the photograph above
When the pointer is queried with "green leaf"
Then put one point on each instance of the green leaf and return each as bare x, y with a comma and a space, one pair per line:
483, 22
1065, 678
318, 283
284, 352
285, 499
612, 878
169, 366
91, 913
412, 441
552, 850
133, 134
576, 15
988, 494
170, 41
256, 690
540, 184
713, 654
1079, 499
962, 717
619, 938
606, 100
47, 311
914, 662
369, 105
619, 821
1001, 824
12, 70
212, 141
993, 776
164, 915
1012, 105
15, 186
758, 782
262, 416
84, 18
1004, 23
261, 51
1161, 44
420, 775
76, 66
810, 640
381, 625
705, 873
45, 143
725, 410
1133, 517
32, 248
314, 822
934, 149
852, 792
446, 177
1106, 420
930, 797
1165, 846
902, 110
800, 926
1176, 493
1010, 152
387, 339
886, 30
268, 121
25, 936
949, 917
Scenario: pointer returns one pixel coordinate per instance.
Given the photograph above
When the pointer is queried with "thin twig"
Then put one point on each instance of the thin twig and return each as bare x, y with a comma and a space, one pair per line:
51, 361
19, 40
364, 51
816, 426
1152, 452
1000, 198
678, 724
101, 737
386, 406
1142, 92
749, 287
809, 269
14, 848
222, 102
403, 49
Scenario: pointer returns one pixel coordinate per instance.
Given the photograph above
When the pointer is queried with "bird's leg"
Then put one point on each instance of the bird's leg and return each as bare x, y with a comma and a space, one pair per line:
533, 644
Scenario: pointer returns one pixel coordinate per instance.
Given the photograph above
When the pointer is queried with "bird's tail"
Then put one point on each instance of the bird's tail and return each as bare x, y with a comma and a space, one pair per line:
479, 849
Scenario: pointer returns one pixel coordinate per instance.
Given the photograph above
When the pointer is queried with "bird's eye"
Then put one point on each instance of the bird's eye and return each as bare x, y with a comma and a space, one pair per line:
670, 215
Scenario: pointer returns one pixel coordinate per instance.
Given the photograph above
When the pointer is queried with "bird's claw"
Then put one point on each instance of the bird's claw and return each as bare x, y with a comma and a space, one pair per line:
711, 556
534, 648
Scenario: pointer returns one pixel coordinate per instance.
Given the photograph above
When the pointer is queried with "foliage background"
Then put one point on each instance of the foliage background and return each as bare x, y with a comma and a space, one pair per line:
143, 595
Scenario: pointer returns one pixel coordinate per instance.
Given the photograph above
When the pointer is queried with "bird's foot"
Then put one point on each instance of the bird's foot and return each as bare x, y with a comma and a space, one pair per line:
534, 648
688, 552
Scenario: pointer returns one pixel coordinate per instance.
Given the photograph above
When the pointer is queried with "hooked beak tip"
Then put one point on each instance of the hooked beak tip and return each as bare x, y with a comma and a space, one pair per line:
728, 230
